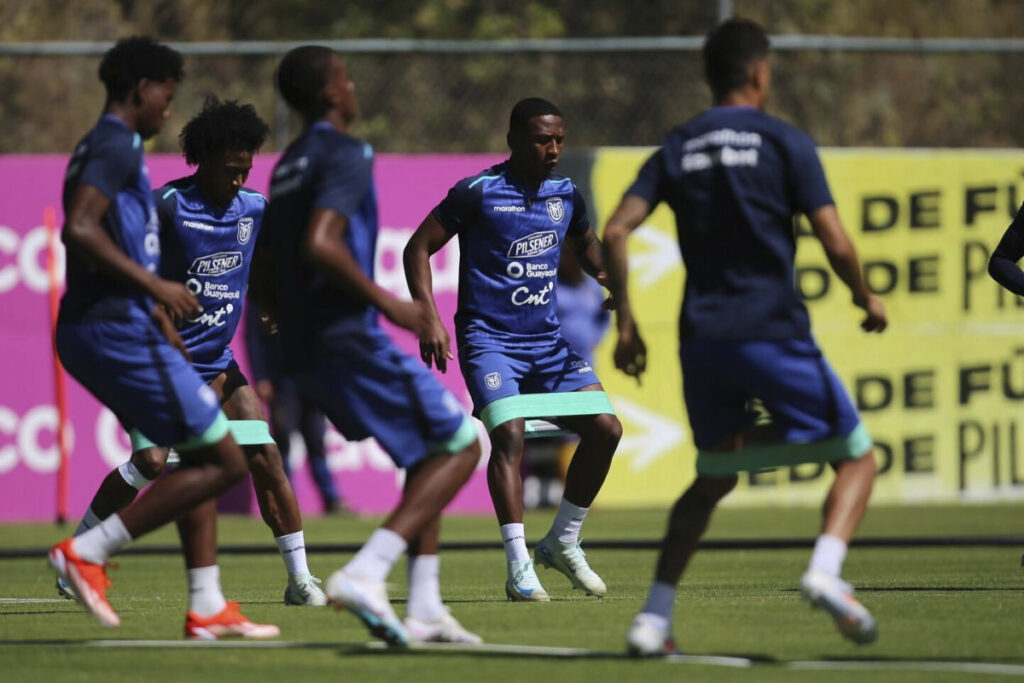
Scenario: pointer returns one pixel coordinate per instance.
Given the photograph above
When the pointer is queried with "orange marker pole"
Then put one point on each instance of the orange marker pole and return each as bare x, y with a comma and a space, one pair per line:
50, 221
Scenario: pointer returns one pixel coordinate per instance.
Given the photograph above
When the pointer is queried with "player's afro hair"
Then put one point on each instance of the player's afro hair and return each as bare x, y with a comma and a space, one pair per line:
222, 127
135, 58
729, 49
524, 110
301, 78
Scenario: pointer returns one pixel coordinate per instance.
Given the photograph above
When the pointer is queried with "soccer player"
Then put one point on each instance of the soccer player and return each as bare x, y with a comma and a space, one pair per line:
314, 274
115, 327
511, 220
735, 178
208, 227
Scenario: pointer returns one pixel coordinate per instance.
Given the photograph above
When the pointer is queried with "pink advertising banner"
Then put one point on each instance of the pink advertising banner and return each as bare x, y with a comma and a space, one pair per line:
407, 186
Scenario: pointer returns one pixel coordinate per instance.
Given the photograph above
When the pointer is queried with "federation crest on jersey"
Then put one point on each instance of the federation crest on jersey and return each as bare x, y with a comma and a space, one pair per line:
244, 229
556, 211
493, 380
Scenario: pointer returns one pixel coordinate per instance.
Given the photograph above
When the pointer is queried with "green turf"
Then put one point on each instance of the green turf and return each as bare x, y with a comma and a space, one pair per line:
953, 604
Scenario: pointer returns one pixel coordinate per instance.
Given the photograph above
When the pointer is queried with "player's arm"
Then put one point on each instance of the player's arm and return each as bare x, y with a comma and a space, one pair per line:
429, 238
325, 248
842, 256
84, 234
587, 249
1003, 264
630, 350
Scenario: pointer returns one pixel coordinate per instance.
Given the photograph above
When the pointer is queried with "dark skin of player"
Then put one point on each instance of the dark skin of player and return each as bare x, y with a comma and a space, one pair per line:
219, 180
535, 154
431, 484
208, 471
847, 500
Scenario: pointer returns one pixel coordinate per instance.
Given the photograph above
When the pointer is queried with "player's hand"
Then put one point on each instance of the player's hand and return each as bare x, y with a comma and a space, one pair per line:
180, 303
875, 320
631, 353
435, 346
268, 324
611, 303
409, 315
167, 328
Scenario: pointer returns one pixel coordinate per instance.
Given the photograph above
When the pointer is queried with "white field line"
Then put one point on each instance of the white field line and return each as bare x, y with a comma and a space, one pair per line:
911, 665
29, 601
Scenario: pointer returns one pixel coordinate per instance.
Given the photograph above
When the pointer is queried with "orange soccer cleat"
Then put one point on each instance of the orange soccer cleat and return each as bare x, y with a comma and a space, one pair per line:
88, 580
228, 623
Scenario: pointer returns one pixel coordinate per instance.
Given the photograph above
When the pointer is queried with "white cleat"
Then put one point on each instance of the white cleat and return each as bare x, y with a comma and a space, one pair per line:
523, 585
447, 629
835, 596
569, 559
303, 590
650, 635
368, 601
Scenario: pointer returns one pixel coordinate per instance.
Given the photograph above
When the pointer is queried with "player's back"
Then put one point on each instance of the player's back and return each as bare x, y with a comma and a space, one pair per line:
735, 177
321, 169
209, 249
110, 158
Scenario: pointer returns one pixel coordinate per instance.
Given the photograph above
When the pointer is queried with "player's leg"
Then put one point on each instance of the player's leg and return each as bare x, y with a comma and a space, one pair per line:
274, 493
313, 425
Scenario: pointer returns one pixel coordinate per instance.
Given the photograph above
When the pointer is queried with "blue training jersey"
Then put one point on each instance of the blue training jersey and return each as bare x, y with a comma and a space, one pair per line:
510, 239
322, 169
735, 178
209, 249
110, 158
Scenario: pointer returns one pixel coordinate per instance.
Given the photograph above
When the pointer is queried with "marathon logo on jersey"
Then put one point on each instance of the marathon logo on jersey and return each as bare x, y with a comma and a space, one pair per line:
215, 265
534, 245
556, 210
493, 380
244, 230
198, 225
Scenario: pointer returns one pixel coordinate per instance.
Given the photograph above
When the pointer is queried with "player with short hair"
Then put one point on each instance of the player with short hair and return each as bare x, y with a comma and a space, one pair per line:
209, 222
735, 177
511, 221
314, 274
115, 330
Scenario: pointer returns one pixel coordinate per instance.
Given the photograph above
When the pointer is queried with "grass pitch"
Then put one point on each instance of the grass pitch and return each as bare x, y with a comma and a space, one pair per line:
961, 606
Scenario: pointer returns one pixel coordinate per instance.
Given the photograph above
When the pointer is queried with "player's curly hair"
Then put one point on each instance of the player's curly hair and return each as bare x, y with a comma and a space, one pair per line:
222, 127
135, 58
301, 78
729, 50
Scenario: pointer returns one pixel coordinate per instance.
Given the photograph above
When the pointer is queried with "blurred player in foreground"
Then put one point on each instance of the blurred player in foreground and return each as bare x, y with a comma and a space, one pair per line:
511, 221
115, 333
735, 178
208, 227
314, 274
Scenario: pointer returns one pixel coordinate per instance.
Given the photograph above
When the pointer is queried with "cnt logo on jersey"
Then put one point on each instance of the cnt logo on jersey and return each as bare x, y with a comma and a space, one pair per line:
556, 211
244, 229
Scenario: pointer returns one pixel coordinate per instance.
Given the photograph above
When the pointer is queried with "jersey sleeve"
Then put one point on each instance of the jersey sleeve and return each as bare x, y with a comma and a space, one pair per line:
344, 180
652, 179
458, 209
807, 177
1003, 264
111, 163
166, 204
578, 223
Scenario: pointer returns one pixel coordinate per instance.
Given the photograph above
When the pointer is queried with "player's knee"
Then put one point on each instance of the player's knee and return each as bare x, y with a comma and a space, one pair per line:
609, 429
708, 491
507, 439
150, 462
265, 461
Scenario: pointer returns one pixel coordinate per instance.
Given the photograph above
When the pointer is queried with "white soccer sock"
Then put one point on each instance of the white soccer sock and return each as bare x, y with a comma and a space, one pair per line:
89, 520
293, 552
374, 560
102, 541
204, 594
514, 538
425, 588
568, 522
829, 553
661, 600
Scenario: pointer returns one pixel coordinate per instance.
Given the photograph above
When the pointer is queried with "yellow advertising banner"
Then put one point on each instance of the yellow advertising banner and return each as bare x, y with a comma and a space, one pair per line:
941, 391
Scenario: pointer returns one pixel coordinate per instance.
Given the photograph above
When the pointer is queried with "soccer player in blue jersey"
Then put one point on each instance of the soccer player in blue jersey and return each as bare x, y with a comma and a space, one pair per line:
209, 222
115, 331
314, 275
735, 177
511, 221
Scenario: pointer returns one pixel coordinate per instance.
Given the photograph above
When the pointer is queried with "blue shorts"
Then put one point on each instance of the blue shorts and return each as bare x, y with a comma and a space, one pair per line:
132, 369
492, 372
212, 370
366, 386
792, 379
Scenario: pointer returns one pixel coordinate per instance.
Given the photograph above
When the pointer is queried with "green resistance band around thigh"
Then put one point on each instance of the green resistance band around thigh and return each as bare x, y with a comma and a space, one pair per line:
246, 433
723, 463
556, 405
